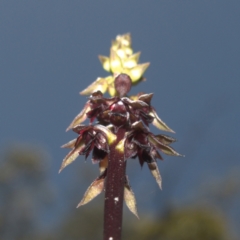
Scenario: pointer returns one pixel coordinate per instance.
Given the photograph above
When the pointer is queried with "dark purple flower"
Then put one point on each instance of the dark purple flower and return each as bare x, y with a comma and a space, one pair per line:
96, 138
140, 142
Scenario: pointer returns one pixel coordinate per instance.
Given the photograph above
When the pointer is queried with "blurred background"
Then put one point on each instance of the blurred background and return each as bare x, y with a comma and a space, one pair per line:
48, 53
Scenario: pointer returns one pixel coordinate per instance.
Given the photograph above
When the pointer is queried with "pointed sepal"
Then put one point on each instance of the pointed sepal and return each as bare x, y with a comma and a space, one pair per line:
165, 139
155, 172
131, 61
94, 190
99, 85
129, 199
124, 40
162, 147
137, 72
72, 155
157, 122
105, 62
70, 144
81, 117
115, 62
146, 98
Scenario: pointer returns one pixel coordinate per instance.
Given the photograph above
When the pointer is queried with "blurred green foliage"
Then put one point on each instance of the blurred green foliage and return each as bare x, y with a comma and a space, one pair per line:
183, 224
24, 191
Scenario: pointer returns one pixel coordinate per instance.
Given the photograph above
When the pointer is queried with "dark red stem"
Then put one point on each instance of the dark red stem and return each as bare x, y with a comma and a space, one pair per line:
114, 191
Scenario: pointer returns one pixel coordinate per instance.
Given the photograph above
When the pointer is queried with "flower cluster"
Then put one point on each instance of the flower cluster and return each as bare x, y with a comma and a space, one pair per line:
121, 60
133, 114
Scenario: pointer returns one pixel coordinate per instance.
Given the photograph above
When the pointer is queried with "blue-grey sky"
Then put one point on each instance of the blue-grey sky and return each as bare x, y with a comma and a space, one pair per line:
48, 53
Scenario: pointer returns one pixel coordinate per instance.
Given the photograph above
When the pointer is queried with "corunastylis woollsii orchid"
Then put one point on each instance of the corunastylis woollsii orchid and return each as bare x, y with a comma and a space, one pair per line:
118, 131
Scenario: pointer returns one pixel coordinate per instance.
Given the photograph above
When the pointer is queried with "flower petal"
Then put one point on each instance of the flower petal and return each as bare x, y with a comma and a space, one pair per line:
80, 127
101, 142
111, 89
165, 139
155, 172
124, 40
105, 62
137, 104
103, 164
146, 98
137, 72
146, 118
98, 155
108, 133
115, 62
131, 61
164, 148
140, 157
130, 199
138, 126
94, 189
81, 117
158, 155
157, 122
99, 85
130, 149
72, 155
70, 144
110, 79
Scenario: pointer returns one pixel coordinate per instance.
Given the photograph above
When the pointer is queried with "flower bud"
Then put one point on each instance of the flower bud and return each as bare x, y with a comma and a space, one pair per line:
123, 84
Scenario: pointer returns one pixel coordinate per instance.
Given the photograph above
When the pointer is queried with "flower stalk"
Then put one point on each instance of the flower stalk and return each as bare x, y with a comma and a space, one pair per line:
114, 190
118, 131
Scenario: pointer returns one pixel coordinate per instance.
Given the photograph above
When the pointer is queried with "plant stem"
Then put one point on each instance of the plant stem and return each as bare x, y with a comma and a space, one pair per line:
114, 191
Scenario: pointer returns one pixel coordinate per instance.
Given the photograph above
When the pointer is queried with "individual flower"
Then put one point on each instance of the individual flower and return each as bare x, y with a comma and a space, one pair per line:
140, 142
121, 60
95, 138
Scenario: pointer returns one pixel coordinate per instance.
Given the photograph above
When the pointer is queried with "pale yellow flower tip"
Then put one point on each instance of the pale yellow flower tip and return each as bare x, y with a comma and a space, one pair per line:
72, 155
99, 85
157, 122
123, 52
131, 61
81, 117
115, 62
105, 62
130, 200
137, 72
110, 79
156, 174
70, 144
124, 39
94, 190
